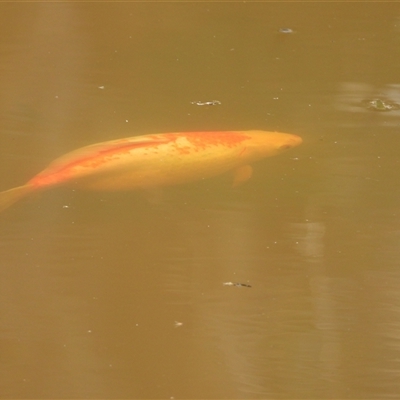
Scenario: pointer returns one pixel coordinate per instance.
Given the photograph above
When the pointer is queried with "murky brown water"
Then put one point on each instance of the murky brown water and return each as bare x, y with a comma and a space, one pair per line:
119, 295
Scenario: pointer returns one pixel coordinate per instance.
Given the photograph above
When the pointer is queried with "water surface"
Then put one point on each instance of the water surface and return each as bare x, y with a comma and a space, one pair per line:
122, 295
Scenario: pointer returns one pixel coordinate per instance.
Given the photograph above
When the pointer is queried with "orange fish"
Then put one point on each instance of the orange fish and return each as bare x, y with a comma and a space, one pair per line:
157, 160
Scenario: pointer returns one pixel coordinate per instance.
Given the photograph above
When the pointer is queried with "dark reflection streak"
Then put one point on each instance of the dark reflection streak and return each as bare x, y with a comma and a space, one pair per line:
55, 54
238, 334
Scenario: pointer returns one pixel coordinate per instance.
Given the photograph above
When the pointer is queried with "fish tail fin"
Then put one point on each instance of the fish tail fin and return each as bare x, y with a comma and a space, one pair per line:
9, 197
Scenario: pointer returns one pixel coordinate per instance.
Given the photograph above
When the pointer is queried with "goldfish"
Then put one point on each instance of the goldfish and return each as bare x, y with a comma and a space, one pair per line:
157, 160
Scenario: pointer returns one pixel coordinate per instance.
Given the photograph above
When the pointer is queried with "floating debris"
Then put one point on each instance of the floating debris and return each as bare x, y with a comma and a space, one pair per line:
236, 284
177, 324
380, 105
206, 103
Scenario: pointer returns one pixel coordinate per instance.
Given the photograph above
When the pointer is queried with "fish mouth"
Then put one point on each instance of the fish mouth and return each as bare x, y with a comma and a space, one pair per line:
291, 142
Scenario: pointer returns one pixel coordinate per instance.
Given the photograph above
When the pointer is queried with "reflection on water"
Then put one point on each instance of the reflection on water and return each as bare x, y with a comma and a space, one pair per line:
122, 295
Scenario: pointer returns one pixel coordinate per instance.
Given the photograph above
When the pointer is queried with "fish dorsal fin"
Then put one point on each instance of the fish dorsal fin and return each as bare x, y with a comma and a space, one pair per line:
109, 147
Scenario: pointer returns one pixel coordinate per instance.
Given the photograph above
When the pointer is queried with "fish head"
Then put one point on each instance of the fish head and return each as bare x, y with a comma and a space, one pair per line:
266, 144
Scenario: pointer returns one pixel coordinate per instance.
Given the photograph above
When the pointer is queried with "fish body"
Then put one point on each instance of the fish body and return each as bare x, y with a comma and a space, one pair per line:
157, 160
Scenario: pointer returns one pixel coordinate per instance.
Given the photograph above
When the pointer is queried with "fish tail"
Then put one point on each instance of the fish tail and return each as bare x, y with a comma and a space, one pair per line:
9, 197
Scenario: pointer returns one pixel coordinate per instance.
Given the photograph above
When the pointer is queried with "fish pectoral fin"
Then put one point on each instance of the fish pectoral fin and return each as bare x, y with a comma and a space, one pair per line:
153, 195
242, 174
